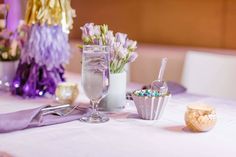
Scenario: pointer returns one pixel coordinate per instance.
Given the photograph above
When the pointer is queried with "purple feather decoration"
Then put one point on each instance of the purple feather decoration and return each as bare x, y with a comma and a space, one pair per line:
40, 68
48, 45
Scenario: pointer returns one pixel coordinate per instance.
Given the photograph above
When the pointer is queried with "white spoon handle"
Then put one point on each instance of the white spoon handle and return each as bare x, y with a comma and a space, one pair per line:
162, 68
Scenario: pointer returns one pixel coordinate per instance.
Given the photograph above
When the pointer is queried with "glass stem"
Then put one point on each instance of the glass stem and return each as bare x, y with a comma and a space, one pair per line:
94, 106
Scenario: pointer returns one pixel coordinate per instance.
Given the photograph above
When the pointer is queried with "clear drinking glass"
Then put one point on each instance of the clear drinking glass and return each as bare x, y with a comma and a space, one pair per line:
95, 79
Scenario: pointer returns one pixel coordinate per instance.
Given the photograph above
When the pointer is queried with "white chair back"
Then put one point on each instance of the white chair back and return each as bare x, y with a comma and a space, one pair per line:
210, 74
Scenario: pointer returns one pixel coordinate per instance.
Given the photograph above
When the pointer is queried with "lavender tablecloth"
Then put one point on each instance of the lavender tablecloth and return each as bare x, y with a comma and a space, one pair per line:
124, 135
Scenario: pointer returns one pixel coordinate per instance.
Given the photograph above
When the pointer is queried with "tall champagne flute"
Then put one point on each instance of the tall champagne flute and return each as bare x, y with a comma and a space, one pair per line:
95, 79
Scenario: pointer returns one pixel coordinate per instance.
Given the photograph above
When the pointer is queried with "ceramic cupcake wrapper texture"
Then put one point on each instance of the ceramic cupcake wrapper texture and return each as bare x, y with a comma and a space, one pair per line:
150, 108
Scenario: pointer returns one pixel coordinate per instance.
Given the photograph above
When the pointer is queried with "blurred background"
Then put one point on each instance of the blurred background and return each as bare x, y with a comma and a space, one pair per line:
204, 23
163, 28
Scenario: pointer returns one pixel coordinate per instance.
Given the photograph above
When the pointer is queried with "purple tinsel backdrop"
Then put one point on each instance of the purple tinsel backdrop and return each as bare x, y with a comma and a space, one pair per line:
41, 66
33, 80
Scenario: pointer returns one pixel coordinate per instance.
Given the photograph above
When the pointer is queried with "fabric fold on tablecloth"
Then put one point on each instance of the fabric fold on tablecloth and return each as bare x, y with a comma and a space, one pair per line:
32, 118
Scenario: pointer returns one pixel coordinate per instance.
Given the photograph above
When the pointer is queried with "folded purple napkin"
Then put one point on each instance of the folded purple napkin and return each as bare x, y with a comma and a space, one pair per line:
32, 118
173, 87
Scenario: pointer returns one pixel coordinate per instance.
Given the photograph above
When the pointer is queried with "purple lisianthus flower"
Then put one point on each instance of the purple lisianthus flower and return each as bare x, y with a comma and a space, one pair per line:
132, 57
5, 34
130, 44
117, 47
123, 53
89, 29
121, 37
97, 41
112, 55
2, 42
96, 30
22, 34
110, 39
120, 51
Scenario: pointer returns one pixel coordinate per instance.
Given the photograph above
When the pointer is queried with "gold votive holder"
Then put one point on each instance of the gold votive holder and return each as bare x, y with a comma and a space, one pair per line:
66, 92
200, 117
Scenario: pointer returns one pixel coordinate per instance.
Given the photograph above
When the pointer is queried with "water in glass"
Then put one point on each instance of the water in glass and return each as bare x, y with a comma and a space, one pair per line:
95, 79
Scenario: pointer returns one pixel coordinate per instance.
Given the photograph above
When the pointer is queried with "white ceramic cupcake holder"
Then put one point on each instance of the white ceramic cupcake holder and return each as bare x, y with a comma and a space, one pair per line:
150, 108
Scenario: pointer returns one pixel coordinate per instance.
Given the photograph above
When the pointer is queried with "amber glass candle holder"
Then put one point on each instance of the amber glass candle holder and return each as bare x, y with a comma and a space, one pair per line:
200, 117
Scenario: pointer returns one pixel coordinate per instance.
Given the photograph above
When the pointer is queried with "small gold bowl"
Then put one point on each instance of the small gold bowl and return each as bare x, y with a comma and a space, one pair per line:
67, 92
200, 117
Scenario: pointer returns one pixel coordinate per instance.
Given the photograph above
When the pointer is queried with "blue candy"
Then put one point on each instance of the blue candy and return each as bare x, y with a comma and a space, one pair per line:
147, 92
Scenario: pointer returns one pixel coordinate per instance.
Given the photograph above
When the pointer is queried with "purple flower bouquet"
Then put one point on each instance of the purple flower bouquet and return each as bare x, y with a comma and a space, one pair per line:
122, 49
122, 52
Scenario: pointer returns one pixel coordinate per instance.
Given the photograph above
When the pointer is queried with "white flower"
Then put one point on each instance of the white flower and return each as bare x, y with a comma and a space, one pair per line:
4, 55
